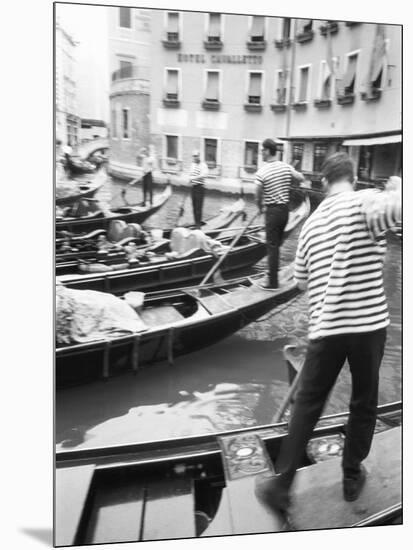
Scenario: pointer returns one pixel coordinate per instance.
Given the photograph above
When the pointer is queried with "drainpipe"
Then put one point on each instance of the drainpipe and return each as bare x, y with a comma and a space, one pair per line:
290, 91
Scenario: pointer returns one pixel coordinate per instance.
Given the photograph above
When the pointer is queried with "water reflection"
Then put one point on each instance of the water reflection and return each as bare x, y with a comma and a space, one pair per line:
238, 382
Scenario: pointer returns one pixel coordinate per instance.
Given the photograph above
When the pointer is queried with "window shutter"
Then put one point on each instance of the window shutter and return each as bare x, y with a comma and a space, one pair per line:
257, 27
303, 84
212, 86
173, 22
351, 72
214, 25
255, 85
172, 83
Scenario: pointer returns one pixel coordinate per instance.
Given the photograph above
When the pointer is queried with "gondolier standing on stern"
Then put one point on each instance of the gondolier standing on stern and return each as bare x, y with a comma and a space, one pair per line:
339, 259
148, 165
197, 174
273, 181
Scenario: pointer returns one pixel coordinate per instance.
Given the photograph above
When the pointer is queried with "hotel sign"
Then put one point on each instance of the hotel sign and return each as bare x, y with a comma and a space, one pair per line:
219, 58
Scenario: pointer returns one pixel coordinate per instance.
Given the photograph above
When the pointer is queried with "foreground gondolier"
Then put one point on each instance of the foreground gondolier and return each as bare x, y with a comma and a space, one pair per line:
340, 260
273, 181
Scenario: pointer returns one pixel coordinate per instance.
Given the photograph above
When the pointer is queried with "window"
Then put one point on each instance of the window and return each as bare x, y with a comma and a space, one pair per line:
172, 147
286, 29
172, 31
257, 29
125, 124
125, 70
212, 86
365, 162
297, 155
350, 76
172, 89
303, 84
214, 27
125, 18
254, 88
113, 121
210, 152
281, 90
251, 154
320, 154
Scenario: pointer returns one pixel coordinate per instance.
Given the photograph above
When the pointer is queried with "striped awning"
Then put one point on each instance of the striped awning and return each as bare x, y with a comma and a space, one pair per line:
381, 140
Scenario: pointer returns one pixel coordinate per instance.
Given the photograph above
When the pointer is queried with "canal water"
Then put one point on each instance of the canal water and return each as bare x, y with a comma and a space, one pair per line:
237, 383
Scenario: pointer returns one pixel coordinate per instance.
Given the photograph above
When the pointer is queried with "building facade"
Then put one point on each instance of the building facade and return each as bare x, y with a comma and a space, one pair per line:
129, 65
67, 118
221, 84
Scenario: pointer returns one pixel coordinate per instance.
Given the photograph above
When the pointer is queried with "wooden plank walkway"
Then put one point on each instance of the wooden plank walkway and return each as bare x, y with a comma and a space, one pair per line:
72, 486
322, 484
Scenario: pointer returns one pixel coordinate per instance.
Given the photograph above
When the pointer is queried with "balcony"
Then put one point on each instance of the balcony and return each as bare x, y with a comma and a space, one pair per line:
211, 105
172, 42
278, 107
253, 105
247, 172
305, 36
322, 103
213, 43
130, 79
346, 99
171, 165
372, 95
256, 44
171, 101
331, 28
300, 105
283, 43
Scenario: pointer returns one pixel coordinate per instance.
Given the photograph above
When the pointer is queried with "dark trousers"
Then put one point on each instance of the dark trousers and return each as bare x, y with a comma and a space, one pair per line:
323, 363
147, 183
276, 217
197, 194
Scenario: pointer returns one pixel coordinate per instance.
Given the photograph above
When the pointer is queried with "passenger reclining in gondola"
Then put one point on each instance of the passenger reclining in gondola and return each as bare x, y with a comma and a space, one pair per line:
88, 315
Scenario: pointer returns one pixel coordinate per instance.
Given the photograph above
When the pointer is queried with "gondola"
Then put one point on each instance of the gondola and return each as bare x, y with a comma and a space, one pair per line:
70, 192
175, 322
203, 486
101, 220
77, 166
85, 244
160, 270
157, 269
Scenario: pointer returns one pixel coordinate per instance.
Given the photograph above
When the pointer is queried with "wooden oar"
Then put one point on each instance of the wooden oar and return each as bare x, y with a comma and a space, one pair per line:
182, 207
287, 399
233, 243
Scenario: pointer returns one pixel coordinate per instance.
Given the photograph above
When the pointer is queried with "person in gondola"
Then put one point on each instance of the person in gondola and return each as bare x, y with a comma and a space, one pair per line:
273, 181
339, 259
197, 174
148, 165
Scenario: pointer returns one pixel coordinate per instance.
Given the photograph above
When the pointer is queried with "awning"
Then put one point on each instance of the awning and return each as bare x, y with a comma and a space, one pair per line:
382, 140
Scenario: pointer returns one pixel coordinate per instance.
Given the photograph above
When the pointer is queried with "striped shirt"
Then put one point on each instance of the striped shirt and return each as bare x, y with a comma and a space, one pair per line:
275, 178
340, 256
197, 173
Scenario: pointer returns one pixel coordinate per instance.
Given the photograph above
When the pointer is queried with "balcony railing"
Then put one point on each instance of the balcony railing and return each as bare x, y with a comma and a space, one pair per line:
278, 107
256, 43
211, 105
371, 95
322, 103
305, 36
171, 100
213, 43
247, 172
171, 165
331, 28
282, 43
131, 71
171, 41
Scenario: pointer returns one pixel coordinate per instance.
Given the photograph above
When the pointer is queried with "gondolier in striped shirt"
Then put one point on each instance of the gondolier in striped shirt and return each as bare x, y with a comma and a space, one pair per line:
339, 259
197, 173
273, 181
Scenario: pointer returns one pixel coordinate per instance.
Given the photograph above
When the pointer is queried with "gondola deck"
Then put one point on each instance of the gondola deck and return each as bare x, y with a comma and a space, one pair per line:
204, 486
